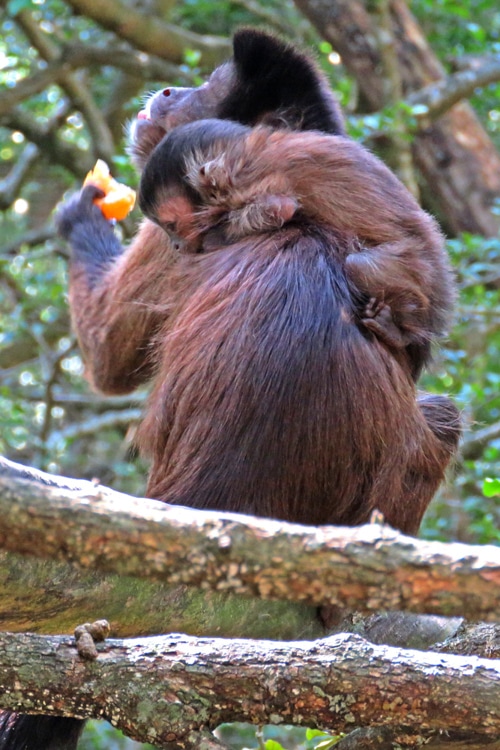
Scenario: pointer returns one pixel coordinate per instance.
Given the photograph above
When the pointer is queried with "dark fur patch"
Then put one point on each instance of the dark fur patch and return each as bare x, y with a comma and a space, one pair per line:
275, 78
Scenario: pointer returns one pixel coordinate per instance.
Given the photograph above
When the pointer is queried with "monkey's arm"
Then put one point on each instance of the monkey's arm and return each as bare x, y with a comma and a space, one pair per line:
114, 294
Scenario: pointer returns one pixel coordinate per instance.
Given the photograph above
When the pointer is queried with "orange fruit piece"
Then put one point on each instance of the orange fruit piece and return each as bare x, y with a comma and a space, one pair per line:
119, 199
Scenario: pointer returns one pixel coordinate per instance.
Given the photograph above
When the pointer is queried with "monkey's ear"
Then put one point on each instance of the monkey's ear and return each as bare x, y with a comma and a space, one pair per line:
264, 214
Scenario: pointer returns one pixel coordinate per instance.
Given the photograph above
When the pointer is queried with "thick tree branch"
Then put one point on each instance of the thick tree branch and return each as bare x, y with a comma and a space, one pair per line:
162, 689
400, 156
438, 97
129, 60
50, 597
111, 532
471, 639
150, 34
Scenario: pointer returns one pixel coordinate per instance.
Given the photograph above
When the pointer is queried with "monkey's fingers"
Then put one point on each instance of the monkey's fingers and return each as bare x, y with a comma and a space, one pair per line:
80, 208
90, 193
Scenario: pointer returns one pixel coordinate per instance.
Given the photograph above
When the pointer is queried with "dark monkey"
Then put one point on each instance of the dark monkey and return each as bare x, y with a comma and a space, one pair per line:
274, 392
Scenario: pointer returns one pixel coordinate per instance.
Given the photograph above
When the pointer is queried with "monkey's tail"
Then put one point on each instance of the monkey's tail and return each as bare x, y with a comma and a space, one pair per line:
30, 732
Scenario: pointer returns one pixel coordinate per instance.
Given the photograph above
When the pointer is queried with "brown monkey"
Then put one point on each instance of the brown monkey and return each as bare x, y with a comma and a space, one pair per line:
266, 81
141, 313
249, 180
221, 188
263, 378
268, 394
271, 82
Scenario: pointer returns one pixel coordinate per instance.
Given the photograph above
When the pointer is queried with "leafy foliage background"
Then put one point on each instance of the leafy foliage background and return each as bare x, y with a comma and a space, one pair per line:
48, 416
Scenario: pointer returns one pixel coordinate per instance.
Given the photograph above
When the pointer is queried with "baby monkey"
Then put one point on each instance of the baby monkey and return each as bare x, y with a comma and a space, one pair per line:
213, 182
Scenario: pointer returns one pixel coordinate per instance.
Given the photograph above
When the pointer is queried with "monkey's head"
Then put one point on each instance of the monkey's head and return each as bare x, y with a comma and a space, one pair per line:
197, 185
267, 81
169, 194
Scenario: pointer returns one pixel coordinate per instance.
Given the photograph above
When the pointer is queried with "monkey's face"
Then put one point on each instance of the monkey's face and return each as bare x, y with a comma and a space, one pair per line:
175, 214
174, 106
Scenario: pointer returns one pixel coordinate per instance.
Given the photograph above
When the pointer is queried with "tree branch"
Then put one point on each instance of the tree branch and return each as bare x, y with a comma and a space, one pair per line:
475, 442
72, 57
401, 157
76, 90
438, 97
10, 185
458, 161
151, 34
129, 60
52, 597
53, 148
111, 532
165, 688
385, 738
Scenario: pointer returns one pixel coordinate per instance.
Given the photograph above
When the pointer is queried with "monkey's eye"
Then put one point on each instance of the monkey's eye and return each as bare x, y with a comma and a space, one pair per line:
166, 92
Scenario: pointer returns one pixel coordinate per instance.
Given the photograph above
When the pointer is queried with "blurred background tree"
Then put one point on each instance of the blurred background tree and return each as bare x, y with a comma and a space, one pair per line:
422, 90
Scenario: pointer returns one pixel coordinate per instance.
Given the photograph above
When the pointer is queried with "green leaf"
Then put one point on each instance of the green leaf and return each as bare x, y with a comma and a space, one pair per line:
192, 57
491, 487
311, 734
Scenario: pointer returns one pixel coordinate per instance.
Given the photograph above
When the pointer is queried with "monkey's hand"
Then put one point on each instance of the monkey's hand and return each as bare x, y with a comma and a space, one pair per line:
388, 278
80, 209
90, 235
377, 317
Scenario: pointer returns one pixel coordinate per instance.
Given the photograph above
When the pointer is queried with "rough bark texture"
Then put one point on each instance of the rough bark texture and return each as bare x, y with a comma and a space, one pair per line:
43, 596
46, 597
460, 165
384, 738
473, 639
371, 568
163, 689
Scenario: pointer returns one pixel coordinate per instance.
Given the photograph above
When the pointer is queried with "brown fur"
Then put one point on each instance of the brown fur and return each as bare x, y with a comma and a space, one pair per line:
267, 397
259, 182
269, 400
116, 320
271, 395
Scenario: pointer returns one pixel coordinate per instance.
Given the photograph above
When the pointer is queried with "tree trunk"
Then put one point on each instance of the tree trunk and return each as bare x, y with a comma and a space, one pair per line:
455, 156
